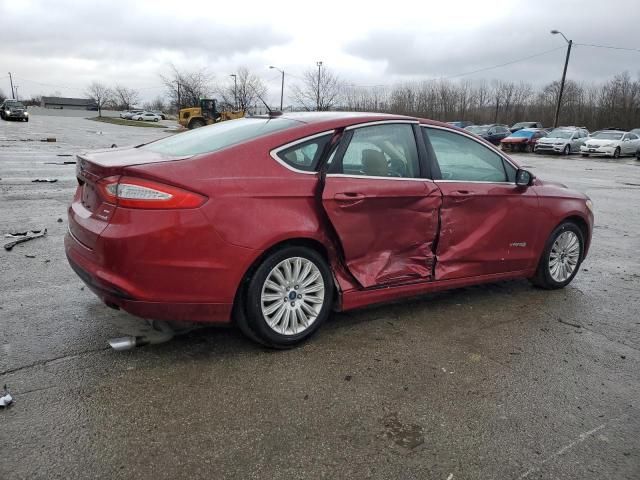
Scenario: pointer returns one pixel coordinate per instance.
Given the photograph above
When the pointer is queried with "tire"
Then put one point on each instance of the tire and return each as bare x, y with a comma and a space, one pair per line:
584, 154
566, 150
155, 119
544, 278
196, 124
287, 331
616, 153
529, 149
638, 154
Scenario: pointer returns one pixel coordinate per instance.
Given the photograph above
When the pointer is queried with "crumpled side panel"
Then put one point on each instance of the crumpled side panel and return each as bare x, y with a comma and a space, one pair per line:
388, 233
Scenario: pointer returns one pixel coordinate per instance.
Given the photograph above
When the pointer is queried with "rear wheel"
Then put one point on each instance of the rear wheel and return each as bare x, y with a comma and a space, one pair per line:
287, 298
561, 257
155, 119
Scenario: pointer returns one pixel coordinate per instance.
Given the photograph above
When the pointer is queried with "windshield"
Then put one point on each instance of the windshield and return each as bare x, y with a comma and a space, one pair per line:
14, 104
523, 133
218, 136
607, 136
521, 125
561, 133
478, 130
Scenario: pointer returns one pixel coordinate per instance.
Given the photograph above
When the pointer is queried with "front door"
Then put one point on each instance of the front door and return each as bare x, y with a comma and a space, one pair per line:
488, 224
384, 214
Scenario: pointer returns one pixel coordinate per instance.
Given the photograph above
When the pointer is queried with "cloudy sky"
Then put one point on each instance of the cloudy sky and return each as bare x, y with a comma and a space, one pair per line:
60, 46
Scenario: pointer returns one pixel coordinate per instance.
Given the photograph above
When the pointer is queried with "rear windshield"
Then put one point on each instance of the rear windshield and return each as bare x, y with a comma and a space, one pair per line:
607, 136
523, 133
218, 136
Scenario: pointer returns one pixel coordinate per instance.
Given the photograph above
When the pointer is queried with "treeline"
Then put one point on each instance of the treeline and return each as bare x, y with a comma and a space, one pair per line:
615, 103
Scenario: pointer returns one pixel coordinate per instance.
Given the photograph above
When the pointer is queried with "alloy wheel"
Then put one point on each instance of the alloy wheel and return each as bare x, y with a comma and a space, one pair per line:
564, 256
292, 296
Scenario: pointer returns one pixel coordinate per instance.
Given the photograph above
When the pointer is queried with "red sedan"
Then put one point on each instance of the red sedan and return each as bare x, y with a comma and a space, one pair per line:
272, 222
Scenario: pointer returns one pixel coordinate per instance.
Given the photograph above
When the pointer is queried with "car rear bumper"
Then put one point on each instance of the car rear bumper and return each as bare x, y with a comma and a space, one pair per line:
161, 265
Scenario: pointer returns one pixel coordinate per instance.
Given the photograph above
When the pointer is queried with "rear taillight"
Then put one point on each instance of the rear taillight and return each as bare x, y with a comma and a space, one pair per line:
133, 192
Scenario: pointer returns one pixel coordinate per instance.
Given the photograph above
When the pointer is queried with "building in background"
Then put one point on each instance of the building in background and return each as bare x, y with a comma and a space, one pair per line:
62, 103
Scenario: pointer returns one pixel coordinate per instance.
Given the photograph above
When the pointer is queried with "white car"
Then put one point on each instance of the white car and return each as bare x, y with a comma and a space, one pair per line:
612, 143
146, 116
563, 140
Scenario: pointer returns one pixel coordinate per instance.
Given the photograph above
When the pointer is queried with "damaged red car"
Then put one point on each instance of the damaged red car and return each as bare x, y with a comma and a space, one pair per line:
272, 222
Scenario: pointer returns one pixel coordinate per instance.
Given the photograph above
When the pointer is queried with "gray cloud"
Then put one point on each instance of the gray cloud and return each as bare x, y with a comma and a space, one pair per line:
463, 50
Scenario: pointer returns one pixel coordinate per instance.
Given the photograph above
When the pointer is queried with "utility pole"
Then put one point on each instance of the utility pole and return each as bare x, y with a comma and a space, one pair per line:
318, 95
179, 104
13, 95
282, 87
235, 90
564, 75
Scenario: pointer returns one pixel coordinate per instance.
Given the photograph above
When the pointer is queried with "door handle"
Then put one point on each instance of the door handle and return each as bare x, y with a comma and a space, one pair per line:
349, 197
462, 193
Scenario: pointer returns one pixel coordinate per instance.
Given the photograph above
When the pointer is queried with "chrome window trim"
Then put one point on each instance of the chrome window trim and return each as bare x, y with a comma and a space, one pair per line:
380, 122
490, 147
347, 175
274, 152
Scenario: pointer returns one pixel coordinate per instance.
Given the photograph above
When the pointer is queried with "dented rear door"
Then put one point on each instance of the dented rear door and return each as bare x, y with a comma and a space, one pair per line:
384, 214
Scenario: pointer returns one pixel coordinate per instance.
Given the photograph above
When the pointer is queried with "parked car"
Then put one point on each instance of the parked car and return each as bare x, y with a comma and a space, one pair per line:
611, 143
160, 114
13, 110
635, 131
520, 125
146, 116
130, 114
461, 123
563, 140
523, 140
492, 133
302, 214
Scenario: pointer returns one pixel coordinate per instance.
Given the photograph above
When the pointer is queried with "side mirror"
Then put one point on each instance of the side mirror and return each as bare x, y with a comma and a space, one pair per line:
524, 178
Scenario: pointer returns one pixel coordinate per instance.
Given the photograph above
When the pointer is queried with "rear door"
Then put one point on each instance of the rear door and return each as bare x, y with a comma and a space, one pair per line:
382, 210
488, 224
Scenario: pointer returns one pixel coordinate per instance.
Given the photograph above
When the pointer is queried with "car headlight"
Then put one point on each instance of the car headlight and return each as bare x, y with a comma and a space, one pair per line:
7, 112
609, 145
26, 113
589, 205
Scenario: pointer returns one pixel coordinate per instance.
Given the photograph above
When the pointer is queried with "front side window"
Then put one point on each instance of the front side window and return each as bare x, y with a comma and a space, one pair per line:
306, 155
382, 151
464, 159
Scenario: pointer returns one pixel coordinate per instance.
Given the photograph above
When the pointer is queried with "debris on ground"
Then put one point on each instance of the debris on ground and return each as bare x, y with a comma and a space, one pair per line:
30, 255
64, 155
569, 323
6, 399
21, 237
44, 180
113, 145
70, 162
49, 139
60, 220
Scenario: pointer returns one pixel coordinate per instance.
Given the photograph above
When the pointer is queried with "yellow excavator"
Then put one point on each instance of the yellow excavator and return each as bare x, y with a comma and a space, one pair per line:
206, 114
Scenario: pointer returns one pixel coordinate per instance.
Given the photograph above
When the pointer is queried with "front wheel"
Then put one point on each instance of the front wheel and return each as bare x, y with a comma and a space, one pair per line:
616, 153
566, 150
155, 119
561, 258
287, 298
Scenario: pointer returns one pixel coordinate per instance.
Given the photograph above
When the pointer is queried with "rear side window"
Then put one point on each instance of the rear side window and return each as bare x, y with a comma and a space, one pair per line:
463, 159
382, 151
306, 155
218, 136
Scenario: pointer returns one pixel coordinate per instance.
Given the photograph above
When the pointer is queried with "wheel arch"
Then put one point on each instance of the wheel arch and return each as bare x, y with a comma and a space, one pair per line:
582, 224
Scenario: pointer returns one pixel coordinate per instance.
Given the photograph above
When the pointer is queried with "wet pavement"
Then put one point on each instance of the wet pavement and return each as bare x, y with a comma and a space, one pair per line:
499, 381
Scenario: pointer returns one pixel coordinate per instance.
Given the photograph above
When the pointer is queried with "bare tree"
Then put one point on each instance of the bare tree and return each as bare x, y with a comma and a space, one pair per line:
319, 90
100, 94
125, 97
243, 91
185, 89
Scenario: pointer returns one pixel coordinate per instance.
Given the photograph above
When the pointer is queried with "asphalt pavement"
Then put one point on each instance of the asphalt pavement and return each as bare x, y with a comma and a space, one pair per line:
502, 381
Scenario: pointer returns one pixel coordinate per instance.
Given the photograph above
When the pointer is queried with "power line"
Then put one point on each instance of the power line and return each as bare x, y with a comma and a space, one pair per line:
608, 46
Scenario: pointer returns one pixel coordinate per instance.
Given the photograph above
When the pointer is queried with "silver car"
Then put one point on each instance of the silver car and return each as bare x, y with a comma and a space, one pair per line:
563, 140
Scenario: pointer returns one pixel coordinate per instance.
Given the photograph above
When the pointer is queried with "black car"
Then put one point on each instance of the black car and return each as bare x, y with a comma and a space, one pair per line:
493, 133
13, 110
520, 125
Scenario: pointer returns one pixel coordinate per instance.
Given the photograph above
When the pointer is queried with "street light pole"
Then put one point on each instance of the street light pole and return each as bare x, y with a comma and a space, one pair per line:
235, 90
564, 75
318, 96
282, 87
